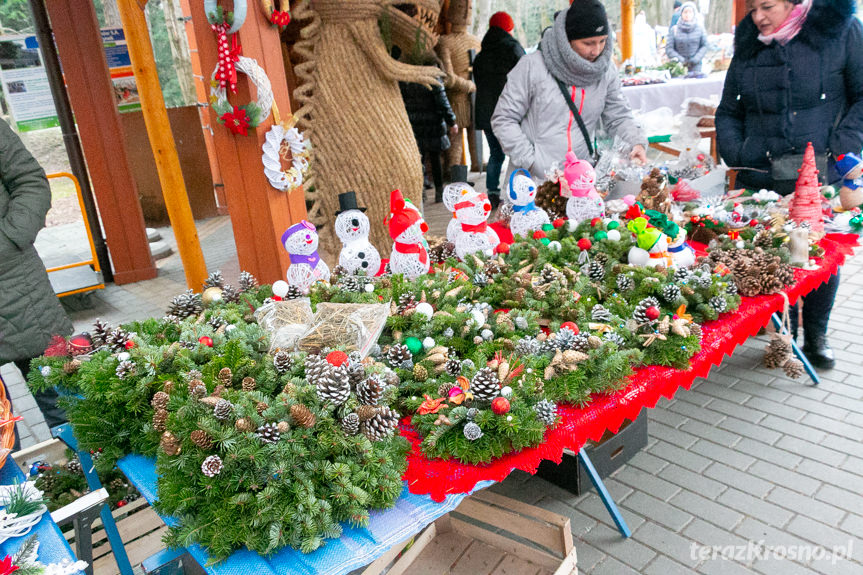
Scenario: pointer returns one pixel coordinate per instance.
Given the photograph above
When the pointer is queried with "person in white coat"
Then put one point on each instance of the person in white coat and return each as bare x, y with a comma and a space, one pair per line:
572, 71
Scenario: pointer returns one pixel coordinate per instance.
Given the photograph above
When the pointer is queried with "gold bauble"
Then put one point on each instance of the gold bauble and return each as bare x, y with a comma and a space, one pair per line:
211, 295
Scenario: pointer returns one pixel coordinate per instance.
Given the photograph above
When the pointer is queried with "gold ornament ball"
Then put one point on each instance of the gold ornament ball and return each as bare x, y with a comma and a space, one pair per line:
283, 427
211, 295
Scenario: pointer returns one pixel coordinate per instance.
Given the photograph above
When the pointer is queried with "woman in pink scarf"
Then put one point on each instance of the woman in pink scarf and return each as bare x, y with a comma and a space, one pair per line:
796, 77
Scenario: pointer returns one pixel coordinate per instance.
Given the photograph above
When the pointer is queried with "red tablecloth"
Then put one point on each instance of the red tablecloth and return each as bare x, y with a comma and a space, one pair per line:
608, 412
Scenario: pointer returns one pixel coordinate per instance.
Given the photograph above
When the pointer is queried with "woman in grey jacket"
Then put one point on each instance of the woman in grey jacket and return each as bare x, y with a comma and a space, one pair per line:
687, 40
534, 122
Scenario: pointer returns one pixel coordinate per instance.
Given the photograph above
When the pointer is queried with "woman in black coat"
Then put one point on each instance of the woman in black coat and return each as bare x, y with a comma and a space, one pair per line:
796, 77
500, 53
432, 120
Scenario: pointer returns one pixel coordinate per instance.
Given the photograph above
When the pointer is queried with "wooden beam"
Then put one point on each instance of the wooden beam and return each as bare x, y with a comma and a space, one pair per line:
162, 142
259, 213
739, 12
627, 28
91, 94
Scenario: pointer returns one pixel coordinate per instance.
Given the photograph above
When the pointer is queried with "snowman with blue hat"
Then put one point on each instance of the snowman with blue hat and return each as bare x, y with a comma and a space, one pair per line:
850, 168
526, 215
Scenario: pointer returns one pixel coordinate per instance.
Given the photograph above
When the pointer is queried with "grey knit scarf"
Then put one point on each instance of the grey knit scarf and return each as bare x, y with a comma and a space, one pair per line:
565, 64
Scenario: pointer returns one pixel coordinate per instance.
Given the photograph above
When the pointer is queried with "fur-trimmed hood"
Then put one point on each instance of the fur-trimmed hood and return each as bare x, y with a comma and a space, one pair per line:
825, 19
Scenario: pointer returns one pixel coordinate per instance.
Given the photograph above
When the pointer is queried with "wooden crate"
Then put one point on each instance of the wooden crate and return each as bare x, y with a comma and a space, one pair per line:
140, 527
488, 534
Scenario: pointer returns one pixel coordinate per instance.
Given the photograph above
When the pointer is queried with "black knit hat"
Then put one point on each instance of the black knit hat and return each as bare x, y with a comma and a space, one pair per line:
586, 19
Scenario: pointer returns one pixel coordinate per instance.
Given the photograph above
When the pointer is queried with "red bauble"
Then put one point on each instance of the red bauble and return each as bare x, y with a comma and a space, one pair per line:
130, 344
276, 298
652, 313
571, 325
538, 235
584, 244
121, 503
500, 405
558, 223
502, 248
337, 358
753, 222
595, 222
206, 340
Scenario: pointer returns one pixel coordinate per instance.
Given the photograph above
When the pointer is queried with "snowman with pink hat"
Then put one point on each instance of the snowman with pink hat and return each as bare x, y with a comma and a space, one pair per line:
307, 267
409, 256
577, 184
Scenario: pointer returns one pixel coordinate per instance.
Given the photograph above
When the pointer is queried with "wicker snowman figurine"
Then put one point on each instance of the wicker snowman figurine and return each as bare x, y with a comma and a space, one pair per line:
584, 201
651, 249
470, 210
409, 256
526, 216
307, 267
358, 255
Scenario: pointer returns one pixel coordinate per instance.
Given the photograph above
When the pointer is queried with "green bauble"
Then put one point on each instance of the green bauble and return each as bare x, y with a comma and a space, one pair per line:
545, 241
600, 235
613, 225
415, 345
547, 227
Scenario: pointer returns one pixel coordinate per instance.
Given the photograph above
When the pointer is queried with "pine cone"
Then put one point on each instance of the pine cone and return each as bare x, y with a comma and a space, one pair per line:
444, 388
600, 313
160, 400
565, 339
169, 387
212, 466
249, 384
718, 304
519, 294
398, 355
197, 388
74, 466
230, 294
485, 385
480, 279
420, 373
453, 367
282, 362
335, 388
216, 322
493, 267
247, 281
101, 331
356, 373
625, 283
351, 424
268, 433
214, 280
261, 407
186, 305
763, 239
170, 444
615, 338
370, 391
639, 314
225, 376
317, 369
160, 418
244, 424
793, 368
748, 286
71, 367
351, 284
680, 275
527, 346
223, 410
596, 271
671, 293
202, 439
293, 293
381, 426
117, 339
366, 412
546, 411
125, 369
695, 329
442, 252
472, 431
303, 416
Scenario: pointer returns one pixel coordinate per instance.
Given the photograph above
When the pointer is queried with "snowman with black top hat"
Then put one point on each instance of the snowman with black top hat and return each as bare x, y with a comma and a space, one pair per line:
358, 255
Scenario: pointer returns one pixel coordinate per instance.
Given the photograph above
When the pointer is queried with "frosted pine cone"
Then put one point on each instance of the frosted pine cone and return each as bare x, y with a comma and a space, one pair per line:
223, 410
615, 338
335, 388
125, 369
268, 433
212, 466
101, 331
546, 411
399, 355
382, 425
453, 367
596, 271
671, 293
485, 385
282, 362
639, 314
215, 279
247, 281
293, 293
600, 313
230, 294
370, 391
317, 368
625, 283
351, 424
186, 305
719, 304
472, 431
117, 339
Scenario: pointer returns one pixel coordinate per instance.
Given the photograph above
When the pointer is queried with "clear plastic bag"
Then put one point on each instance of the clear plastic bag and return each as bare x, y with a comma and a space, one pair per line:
347, 326
285, 321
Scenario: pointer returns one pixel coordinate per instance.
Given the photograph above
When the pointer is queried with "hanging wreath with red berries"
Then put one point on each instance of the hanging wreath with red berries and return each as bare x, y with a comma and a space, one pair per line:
225, 25
238, 119
280, 17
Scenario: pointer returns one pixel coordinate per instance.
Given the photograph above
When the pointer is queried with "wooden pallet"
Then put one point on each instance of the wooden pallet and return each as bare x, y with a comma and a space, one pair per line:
140, 527
488, 534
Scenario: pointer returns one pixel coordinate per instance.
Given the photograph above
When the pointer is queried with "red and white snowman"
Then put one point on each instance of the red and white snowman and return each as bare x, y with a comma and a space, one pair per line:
409, 256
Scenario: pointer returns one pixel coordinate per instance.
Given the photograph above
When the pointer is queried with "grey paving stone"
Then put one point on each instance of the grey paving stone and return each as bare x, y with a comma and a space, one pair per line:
781, 476
806, 505
738, 479
631, 552
768, 453
682, 457
767, 406
579, 522
707, 534
676, 436
593, 506
695, 482
666, 416
758, 531
837, 567
833, 426
657, 511
794, 429
732, 457
748, 374
831, 475
849, 500
820, 533
853, 465
662, 565
737, 411
723, 567
778, 567
751, 430
719, 391
811, 450
761, 390
24, 403
698, 506
692, 411
823, 407
611, 566
852, 524
647, 462
767, 513
588, 556
669, 543
843, 445
716, 435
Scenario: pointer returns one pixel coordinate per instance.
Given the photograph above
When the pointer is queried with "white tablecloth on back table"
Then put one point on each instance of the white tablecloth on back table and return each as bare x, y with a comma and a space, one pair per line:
672, 94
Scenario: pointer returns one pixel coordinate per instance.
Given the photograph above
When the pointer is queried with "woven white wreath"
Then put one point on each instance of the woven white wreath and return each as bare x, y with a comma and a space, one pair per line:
292, 178
256, 110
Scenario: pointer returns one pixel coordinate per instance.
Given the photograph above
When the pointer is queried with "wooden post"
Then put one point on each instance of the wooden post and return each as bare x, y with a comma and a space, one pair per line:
92, 97
739, 12
259, 212
162, 142
627, 27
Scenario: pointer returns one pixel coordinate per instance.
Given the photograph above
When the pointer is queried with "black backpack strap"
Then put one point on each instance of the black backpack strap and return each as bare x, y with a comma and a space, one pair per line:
577, 114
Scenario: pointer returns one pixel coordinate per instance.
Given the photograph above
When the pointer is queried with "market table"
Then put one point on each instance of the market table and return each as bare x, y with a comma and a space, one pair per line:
673, 93
53, 547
